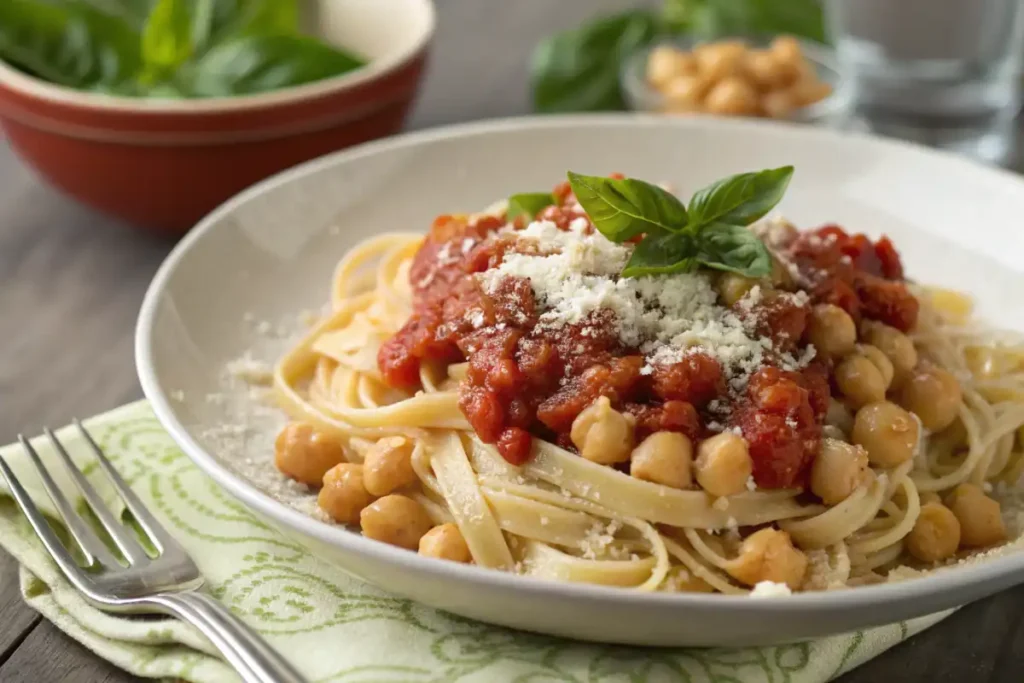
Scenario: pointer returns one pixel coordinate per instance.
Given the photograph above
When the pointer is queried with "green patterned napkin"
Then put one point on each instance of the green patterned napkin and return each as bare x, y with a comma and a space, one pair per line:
334, 627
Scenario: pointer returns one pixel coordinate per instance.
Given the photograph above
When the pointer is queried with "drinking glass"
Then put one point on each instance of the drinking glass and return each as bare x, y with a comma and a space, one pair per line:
944, 73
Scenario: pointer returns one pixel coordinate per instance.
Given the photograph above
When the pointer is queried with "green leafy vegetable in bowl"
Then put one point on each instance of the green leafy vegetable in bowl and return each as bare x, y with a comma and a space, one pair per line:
167, 48
578, 70
674, 238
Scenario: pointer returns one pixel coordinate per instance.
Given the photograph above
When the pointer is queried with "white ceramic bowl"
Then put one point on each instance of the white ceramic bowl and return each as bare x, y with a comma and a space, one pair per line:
268, 254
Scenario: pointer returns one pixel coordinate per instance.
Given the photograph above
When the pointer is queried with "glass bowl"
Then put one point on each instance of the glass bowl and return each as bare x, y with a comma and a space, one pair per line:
642, 96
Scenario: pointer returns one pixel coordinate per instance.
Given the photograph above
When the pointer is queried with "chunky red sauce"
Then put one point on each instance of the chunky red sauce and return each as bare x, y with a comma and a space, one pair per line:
526, 380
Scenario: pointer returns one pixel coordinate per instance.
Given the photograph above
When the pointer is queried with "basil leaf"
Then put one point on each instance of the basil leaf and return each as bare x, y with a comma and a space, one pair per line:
733, 248
134, 12
216, 21
710, 19
261, 63
662, 253
71, 44
167, 37
625, 208
528, 204
266, 17
740, 199
578, 70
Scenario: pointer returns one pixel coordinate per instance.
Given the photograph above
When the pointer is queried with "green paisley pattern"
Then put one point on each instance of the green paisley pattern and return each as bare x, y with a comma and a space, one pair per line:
338, 629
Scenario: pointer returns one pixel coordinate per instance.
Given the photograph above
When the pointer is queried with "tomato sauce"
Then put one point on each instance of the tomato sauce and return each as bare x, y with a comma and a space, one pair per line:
863, 278
525, 379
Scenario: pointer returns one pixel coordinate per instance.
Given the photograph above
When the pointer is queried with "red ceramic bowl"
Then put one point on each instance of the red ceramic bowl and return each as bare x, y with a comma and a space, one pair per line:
163, 164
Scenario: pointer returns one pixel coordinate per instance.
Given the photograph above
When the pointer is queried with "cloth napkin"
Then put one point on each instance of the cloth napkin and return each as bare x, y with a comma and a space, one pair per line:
334, 627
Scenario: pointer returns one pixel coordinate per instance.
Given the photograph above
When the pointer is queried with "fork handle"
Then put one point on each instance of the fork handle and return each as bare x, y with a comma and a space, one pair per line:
250, 655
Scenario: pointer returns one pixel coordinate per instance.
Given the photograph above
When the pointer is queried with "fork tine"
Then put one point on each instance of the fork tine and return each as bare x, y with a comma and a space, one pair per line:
35, 518
87, 540
157, 534
124, 539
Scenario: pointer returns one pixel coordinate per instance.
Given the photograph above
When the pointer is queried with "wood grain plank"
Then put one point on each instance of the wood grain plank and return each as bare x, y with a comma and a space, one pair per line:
16, 618
981, 643
71, 282
49, 655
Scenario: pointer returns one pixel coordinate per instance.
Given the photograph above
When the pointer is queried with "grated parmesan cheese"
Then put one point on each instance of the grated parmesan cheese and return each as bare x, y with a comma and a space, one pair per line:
250, 370
666, 317
770, 589
599, 537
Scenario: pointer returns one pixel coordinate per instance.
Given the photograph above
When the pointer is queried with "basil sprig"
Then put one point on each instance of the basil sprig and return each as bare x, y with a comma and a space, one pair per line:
710, 232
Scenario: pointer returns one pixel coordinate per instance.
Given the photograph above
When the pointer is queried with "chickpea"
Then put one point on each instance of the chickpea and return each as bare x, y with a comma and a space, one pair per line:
720, 60
831, 330
833, 432
344, 494
395, 519
779, 104
895, 345
839, 416
929, 497
837, 471
778, 233
934, 395
304, 454
768, 555
781, 277
808, 90
666, 63
887, 432
732, 96
388, 466
786, 49
686, 93
732, 287
936, 533
881, 361
445, 542
980, 517
986, 362
860, 381
765, 70
664, 458
603, 434
723, 464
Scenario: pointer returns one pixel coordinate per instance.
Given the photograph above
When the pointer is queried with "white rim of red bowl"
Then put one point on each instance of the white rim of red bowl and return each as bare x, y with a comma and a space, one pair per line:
58, 94
900, 592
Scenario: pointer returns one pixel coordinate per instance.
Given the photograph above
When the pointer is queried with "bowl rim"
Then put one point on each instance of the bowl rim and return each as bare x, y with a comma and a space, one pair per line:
40, 90
1001, 569
821, 56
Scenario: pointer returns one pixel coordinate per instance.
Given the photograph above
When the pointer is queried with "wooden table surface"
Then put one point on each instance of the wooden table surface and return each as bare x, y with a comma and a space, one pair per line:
71, 282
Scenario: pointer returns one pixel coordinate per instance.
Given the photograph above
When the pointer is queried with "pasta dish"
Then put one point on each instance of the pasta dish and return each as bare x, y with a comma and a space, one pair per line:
606, 384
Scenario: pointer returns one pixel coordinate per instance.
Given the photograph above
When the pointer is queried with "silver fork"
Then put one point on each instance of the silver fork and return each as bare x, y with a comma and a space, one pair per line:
168, 583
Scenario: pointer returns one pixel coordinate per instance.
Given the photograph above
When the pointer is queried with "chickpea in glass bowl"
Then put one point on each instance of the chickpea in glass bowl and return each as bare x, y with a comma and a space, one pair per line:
780, 78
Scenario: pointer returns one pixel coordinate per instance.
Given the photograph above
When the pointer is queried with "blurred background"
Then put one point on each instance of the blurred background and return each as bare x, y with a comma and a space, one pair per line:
155, 111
